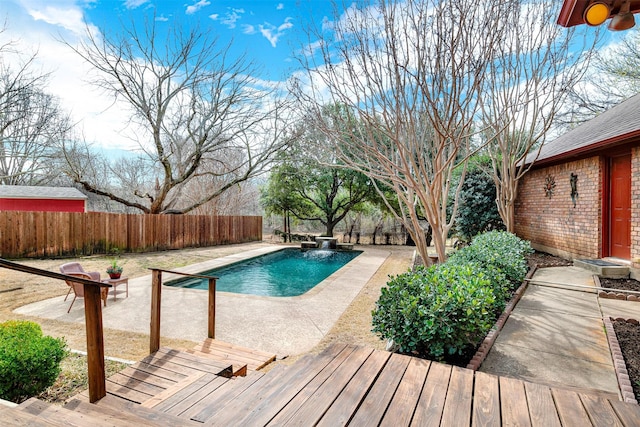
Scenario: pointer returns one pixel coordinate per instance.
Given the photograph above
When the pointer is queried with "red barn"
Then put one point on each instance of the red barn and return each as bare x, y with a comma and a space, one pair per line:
42, 199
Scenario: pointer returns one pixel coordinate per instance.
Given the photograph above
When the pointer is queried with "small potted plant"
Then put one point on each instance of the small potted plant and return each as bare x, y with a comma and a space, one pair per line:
114, 270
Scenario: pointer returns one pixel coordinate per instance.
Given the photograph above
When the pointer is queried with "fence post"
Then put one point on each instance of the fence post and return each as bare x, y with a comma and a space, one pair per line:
212, 308
156, 297
95, 342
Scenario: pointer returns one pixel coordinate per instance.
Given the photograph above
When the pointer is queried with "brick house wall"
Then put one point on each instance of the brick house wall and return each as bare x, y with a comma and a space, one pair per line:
635, 206
553, 224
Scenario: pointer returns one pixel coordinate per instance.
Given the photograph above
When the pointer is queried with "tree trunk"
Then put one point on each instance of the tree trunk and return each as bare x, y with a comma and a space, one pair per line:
284, 225
330, 227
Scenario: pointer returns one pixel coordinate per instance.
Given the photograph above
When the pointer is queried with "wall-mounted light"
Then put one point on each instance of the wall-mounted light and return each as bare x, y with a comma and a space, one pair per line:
596, 13
624, 19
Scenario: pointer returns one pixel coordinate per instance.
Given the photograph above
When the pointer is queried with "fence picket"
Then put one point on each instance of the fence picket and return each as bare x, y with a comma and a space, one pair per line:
51, 234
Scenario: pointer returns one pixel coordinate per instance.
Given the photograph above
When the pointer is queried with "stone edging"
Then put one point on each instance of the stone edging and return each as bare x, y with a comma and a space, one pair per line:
613, 295
618, 361
488, 341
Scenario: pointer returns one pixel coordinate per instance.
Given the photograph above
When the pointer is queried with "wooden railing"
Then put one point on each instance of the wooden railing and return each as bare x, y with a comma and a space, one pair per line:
156, 302
93, 324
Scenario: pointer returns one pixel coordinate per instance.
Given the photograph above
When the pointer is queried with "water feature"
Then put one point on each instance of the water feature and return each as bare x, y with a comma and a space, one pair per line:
288, 272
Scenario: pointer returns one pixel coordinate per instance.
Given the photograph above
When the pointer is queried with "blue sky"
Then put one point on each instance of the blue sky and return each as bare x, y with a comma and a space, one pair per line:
269, 32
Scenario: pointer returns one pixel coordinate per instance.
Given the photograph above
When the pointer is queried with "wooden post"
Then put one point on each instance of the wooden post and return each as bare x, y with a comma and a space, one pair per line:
156, 298
95, 342
212, 308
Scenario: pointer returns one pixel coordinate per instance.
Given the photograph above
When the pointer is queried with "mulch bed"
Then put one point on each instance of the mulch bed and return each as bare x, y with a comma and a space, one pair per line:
621, 284
542, 259
628, 335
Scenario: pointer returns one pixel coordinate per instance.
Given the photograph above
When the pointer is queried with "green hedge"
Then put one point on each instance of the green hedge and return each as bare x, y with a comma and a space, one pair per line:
29, 361
446, 310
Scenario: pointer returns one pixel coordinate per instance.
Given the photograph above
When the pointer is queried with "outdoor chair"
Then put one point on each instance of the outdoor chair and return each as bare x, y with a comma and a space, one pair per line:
75, 267
78, 288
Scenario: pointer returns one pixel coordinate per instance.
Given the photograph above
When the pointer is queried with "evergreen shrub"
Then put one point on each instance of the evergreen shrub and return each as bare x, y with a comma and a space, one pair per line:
29, 361
446, 310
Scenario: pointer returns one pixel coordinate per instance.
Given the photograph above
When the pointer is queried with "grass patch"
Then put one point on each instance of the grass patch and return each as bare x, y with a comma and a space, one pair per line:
73, 379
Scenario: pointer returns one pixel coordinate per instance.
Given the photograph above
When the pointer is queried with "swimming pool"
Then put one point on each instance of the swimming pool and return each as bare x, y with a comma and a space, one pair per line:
284, 273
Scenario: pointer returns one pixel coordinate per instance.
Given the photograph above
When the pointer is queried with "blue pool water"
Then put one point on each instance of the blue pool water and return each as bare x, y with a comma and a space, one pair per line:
285, 273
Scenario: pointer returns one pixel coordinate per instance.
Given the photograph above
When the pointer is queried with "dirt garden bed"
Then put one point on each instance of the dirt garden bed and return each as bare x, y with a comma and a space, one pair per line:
627, 334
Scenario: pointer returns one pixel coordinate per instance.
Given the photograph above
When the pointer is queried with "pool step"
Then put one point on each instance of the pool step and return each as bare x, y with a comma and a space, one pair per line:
237, 356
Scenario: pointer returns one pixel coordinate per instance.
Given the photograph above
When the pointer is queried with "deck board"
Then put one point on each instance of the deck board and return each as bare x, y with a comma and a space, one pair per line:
513, 399
486, 401
431, 404
349, 399
457, 404
184, 395
356, 386
542, 409
261, 399
570, 409
238, 355
599, 411
407, 394
310, 412
375, 403
287, 400
628, 413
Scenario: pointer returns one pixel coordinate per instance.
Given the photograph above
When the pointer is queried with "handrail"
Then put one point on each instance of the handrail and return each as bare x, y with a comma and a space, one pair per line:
93, 324
199, 276
156, 302
46, 273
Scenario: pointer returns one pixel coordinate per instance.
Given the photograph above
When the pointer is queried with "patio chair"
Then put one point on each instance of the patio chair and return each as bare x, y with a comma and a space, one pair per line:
75, 267
78, 288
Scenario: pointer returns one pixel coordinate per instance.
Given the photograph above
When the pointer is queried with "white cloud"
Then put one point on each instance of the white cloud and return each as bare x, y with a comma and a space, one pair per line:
134, 4
65, 14
248, 29
230, 18
280, 6
197, 6
35, 28
273, 33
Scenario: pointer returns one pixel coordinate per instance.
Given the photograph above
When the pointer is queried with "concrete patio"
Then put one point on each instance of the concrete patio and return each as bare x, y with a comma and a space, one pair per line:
281, 325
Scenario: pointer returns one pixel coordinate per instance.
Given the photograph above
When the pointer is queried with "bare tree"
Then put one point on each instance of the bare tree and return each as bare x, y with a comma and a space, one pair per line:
32, 123
406, 77
536, 64
613, 76
192, 103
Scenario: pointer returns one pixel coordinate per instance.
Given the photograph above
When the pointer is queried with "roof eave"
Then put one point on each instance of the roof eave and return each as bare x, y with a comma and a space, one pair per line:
607, 143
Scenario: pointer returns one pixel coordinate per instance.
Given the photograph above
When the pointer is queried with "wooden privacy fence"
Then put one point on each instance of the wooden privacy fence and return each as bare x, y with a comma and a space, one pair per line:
52, 234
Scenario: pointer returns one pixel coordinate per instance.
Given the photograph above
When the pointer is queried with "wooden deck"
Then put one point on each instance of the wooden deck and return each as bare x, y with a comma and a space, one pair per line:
343, 385
236, 355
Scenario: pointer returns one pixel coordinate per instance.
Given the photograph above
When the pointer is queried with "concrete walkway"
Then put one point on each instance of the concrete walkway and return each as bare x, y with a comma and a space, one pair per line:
279, 325
556, 336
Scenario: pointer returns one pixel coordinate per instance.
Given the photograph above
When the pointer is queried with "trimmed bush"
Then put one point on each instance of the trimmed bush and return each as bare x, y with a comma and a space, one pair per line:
29, 361
437, 313
501, 251
446, 310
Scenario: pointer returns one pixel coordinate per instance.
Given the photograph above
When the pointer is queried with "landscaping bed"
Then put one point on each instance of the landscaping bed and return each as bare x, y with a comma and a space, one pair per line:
627, 334
620, 284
